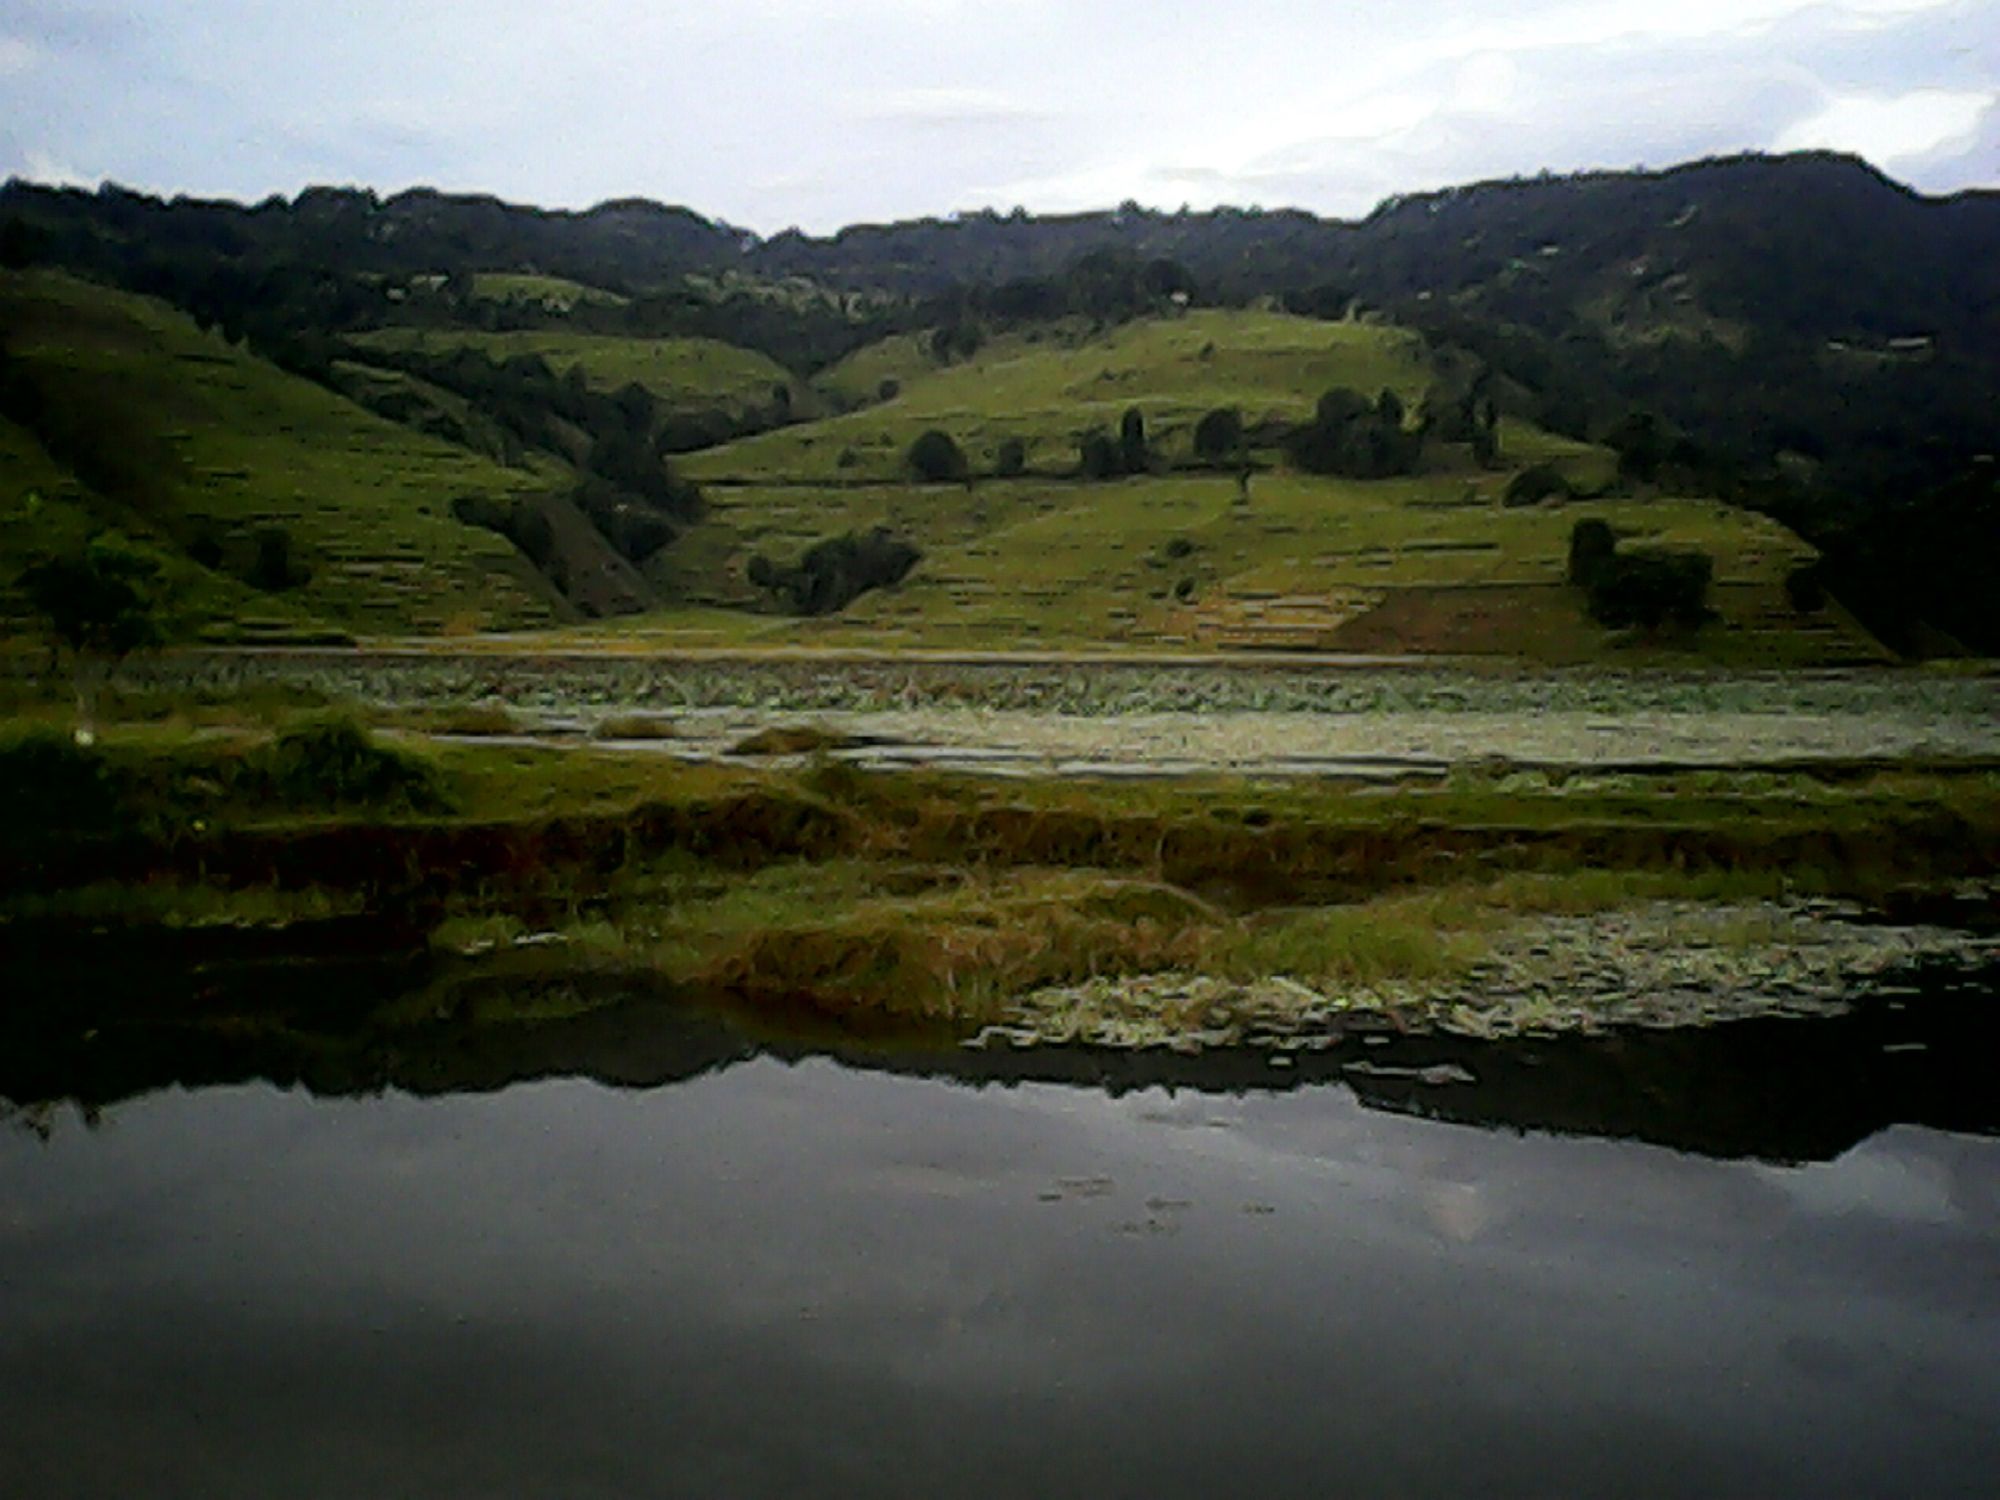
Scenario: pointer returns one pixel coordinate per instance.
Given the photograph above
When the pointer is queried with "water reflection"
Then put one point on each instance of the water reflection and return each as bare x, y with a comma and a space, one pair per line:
788, 1276
1782, 1090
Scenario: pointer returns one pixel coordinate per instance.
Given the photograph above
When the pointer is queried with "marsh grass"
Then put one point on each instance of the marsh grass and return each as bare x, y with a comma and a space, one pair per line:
634, 726
850, 892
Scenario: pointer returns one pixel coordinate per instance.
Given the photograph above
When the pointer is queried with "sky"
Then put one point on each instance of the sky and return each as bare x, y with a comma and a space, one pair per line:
779, 113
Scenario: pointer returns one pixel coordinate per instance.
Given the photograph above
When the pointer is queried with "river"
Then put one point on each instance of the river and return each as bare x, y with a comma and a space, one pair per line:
641, 1254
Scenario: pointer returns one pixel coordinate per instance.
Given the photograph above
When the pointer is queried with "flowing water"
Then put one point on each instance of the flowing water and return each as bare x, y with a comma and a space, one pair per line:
638, 1253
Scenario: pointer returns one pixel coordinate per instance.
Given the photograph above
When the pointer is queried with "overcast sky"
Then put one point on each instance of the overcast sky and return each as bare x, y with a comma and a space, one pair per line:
770, 113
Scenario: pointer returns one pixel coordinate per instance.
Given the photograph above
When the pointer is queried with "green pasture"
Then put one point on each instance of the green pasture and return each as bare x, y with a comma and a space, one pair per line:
1050, 386
556, 292
680, 372
368, 503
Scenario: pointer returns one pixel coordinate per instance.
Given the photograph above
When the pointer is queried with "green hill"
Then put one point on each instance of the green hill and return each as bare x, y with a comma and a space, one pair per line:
144, 420
681, 373
1048, 387
1433, 561
551, 293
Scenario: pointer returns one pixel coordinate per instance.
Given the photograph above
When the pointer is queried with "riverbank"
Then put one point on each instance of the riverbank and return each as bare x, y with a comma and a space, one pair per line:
1204, 911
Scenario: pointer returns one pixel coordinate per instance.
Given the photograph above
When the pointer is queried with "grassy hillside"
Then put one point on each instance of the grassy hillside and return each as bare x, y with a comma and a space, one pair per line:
556, 293
45, 510
1050, 387
1433, 561
233, 446
681, 373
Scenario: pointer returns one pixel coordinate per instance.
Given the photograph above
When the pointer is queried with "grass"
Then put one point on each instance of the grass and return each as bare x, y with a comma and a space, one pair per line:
367, 502
875, 898
1428, 563
556, 292
1432, 562
681, 373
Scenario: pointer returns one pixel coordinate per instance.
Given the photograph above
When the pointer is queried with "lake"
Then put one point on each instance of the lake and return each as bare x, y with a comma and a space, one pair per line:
640, 1253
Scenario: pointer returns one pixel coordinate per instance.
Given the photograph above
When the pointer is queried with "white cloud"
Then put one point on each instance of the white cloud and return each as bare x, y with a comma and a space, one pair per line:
17, 56
40, 166
941, 106
1890, 129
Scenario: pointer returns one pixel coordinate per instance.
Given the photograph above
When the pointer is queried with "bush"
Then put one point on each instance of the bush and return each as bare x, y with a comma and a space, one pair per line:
1650, 587
1218, 436
1011, 458
1350, 435
836, 572
1805, 589
1591, 544
934, 457
50, 783
334, 761
1133, 455
1097, 457
1535, 484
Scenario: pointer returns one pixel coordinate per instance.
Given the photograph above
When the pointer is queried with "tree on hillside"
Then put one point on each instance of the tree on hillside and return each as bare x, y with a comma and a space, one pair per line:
1097, 456
1649, 587
1132, 454
1591, 543
102, 603
1218, 436
936, 458
1353, 436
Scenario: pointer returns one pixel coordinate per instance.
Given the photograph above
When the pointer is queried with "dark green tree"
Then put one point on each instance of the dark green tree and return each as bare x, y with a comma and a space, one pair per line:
936, 459
1132, 454
1097, 456
1218, 436
102, 603
1591, 543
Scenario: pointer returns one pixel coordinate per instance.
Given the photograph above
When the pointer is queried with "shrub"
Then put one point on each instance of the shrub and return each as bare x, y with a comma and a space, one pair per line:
1097, 456
1350, 435
836, 572
1805, 589
936, 458
1650, 587
1133, 455
276, 568
1218, 436
48, 782
334, 761
1535, 484
1591, 544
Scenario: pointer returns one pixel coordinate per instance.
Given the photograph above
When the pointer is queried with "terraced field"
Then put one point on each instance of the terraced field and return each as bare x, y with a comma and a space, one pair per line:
1433, 562
682, 373
367, 502
554, 292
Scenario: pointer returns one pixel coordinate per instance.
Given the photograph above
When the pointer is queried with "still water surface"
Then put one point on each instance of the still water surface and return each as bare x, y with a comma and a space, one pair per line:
786, 1275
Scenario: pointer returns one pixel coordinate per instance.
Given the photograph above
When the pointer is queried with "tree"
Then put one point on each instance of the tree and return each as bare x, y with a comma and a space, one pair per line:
1353, 436
1591, 543
1097, 456
1132, 455
1218, 436
275, 568
102, 604
1534, 484
936, 458
1649, 587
